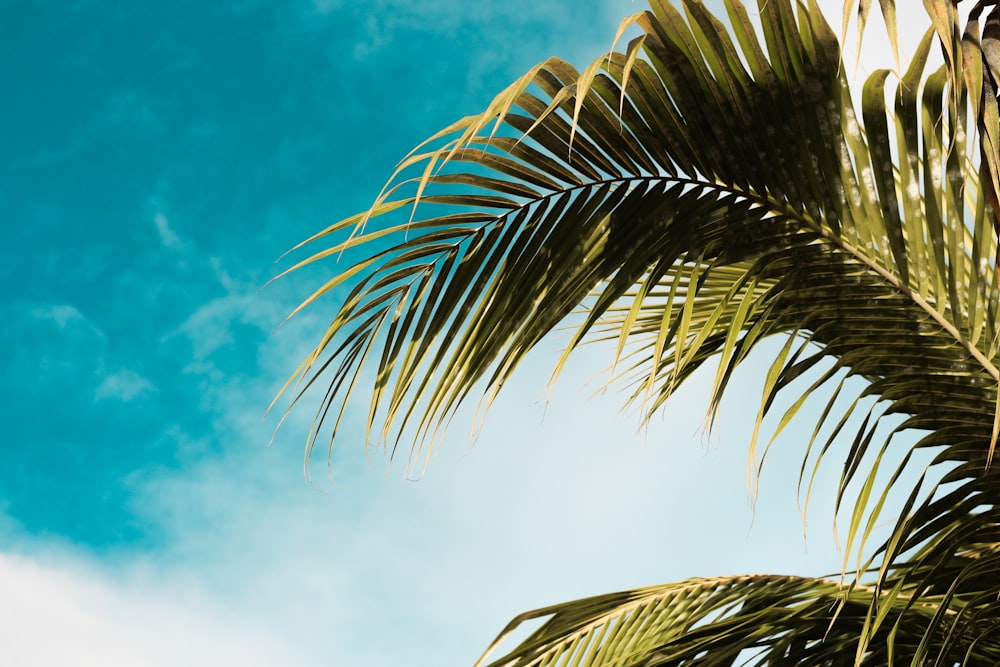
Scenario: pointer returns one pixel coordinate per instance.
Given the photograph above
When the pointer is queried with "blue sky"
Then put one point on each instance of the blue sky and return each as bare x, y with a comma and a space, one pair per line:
157, 159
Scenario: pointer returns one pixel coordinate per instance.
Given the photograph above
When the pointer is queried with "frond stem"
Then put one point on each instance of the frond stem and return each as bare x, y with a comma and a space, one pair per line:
827, 235
897, 284
781, 208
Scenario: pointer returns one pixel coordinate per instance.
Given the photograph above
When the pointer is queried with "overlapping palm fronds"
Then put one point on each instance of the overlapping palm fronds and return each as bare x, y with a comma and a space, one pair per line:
707, 188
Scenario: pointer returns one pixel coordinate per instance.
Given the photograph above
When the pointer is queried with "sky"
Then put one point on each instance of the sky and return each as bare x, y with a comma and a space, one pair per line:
157, 160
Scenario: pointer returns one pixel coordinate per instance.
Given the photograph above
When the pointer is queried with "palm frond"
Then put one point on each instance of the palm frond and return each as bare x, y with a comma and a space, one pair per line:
702, 191
757, 619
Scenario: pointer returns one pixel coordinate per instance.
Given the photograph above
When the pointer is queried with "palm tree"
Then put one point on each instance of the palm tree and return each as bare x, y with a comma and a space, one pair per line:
712, 186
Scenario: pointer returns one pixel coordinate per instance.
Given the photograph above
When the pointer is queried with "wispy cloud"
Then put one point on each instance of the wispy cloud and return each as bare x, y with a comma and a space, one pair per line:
53, 341
60, 313
124, 386
168, 237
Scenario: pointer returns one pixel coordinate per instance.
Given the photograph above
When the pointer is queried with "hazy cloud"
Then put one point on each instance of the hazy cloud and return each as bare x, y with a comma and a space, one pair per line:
124, 386
168, 237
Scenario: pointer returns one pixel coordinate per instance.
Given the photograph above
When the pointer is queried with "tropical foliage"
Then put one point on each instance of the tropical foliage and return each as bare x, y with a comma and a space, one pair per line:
710, 186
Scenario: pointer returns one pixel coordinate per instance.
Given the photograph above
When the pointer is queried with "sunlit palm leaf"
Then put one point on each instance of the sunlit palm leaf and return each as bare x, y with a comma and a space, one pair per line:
773, 620
686, 199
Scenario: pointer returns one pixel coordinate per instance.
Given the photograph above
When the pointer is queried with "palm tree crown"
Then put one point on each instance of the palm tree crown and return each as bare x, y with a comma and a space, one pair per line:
712, 185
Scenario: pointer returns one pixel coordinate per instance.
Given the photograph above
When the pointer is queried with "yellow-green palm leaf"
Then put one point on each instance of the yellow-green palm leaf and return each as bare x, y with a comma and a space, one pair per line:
705, 189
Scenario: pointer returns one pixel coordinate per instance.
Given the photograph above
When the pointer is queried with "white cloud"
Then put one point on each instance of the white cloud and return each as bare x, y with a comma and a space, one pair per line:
375, 570
168, 237
51, 341
71, 613
60, 313
211, 326
326, 6
124, 386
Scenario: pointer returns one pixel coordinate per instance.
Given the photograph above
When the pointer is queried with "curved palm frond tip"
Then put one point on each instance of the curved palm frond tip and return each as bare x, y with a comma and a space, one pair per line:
707, 188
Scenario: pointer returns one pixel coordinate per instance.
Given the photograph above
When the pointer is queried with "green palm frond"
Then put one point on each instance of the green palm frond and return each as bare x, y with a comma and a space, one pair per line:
767, 619
706, 189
